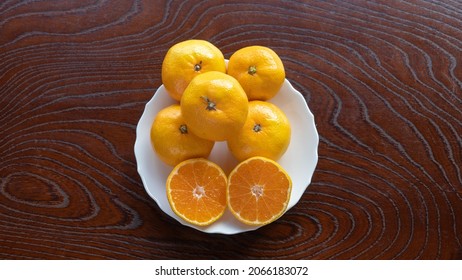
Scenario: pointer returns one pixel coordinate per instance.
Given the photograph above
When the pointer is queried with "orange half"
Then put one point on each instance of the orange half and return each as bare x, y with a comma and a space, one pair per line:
258, 191
196, 191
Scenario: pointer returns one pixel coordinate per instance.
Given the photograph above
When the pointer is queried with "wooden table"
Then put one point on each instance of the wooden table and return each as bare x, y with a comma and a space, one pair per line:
382, 78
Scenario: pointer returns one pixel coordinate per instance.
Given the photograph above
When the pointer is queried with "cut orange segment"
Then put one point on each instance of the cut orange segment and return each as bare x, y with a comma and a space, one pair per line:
196, 191
258, 191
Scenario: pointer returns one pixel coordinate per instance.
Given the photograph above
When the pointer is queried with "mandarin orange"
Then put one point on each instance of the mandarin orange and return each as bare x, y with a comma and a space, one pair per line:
214, 106
172, 140
259, 70
266, 133
196, 191
258, 191
187, 59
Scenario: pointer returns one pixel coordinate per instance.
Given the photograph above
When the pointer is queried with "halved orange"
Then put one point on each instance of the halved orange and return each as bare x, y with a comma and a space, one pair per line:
258, 191
196, 191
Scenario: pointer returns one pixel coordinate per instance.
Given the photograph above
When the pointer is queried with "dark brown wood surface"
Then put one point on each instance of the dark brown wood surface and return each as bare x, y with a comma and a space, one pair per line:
382, 78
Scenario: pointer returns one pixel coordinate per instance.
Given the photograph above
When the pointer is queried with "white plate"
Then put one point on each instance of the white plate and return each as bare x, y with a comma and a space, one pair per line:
299, 160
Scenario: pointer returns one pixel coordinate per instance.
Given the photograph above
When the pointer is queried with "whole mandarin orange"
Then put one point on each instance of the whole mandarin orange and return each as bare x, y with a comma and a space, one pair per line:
187, 59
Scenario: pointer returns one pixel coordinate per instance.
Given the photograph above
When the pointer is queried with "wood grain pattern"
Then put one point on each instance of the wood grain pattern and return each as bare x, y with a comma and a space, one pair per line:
383, 79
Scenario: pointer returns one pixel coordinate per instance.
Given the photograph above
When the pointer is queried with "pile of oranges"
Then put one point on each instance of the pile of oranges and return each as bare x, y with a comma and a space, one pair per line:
219, 102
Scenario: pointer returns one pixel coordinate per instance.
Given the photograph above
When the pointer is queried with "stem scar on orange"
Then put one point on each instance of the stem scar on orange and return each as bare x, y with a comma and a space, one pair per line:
196, 191
214, 106
259, 70
266, 133
258, 191
187, 59
171, 139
